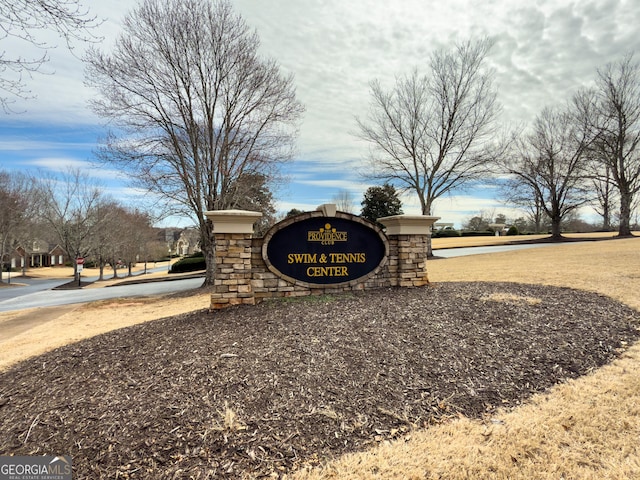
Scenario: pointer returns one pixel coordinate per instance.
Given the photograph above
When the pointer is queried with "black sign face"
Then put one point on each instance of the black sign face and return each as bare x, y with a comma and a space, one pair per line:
324, 250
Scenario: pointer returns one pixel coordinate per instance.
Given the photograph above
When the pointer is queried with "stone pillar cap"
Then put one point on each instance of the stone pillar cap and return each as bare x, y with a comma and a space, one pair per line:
408, 224
232, 221
328, 209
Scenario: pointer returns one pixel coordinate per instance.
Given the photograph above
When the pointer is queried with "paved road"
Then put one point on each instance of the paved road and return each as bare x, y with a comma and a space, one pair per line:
459, 252
34, 285
39, 293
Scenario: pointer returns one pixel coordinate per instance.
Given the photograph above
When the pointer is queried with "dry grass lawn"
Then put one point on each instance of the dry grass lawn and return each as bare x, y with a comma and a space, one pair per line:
588, 428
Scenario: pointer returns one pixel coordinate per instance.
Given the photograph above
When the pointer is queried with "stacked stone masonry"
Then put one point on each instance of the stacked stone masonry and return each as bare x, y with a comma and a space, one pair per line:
242, 276
232, 284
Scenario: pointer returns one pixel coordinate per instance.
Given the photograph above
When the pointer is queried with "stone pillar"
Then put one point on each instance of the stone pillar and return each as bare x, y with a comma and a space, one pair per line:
232, 281
408, 236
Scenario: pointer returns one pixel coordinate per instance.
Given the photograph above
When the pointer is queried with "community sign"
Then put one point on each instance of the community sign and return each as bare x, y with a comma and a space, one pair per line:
324, 250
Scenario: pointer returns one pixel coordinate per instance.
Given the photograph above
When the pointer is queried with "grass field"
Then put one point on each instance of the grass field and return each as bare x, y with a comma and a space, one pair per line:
588, 428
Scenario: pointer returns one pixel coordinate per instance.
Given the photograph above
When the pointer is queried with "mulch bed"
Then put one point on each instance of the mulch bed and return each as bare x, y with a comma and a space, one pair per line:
259, 391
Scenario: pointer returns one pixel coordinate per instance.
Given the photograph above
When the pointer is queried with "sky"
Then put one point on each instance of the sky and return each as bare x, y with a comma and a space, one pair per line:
544, 51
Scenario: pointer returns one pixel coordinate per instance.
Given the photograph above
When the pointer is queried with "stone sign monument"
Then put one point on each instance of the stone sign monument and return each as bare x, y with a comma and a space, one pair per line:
313, 253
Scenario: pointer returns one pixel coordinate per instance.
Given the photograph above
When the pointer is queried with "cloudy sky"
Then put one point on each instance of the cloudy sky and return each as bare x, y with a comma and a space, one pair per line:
543, 52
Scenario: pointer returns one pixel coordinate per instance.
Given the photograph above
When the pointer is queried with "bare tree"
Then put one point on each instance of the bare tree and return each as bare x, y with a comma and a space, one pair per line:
69, 207
520, 193
550, 163
123, 236
635, 214
434, 133
616, 126
478, 223
106, 241
252, 192
24, 19
605, 192
15, 200
431, 133
136, 233
343, 200
195, 105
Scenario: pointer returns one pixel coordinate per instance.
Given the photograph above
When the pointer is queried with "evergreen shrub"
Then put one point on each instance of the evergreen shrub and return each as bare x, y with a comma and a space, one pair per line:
192, 263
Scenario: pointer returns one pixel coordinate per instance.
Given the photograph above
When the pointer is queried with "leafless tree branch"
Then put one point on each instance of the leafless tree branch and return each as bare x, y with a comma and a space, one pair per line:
194, 105
24, 20
435, 132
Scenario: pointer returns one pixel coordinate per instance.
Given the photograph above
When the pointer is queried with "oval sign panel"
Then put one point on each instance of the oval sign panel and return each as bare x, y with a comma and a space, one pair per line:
324, 250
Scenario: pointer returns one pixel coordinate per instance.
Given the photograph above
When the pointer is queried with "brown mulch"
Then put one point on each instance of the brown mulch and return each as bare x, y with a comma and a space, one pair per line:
259, 391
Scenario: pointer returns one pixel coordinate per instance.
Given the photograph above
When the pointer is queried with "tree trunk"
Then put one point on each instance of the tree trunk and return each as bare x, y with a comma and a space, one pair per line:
555, 228
208, 246
210, 261
76, 273
625, 214
606, 217
2, 258
426, 210
101, 266
538, 224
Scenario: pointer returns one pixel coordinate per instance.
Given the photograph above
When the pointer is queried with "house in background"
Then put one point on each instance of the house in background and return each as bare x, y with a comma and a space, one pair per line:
180, 241
188, 242
42, 254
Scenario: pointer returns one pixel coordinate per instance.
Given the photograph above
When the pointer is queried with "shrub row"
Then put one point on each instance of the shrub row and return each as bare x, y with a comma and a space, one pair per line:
191, 263
472, 233
445, 233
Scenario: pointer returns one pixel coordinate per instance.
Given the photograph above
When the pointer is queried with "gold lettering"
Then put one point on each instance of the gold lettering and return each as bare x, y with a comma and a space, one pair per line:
327, 272
302, 258
348, 257
327, 235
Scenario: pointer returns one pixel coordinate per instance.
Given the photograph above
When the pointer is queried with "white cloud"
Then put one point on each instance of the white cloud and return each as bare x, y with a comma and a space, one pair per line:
110, 180
335, 48
544, 51
18, 144
59, 164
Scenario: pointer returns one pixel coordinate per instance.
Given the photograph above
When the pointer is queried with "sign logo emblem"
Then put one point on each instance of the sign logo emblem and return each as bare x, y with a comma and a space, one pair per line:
327, 235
